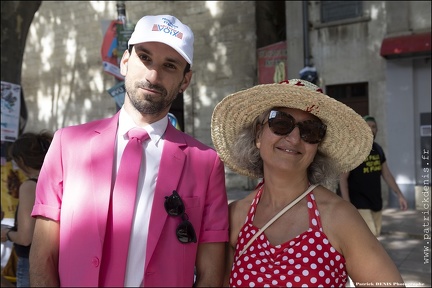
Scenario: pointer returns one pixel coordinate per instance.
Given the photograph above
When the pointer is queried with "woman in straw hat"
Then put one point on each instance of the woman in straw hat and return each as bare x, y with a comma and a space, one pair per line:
292, 230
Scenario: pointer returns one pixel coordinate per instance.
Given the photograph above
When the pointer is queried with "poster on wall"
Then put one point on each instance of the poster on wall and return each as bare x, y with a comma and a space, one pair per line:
10, 111
272, 61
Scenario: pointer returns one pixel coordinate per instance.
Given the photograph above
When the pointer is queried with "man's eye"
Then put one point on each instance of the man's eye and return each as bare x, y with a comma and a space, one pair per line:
144, 57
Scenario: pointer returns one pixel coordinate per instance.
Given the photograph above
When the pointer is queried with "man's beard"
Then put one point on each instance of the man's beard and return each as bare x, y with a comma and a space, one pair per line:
149, 105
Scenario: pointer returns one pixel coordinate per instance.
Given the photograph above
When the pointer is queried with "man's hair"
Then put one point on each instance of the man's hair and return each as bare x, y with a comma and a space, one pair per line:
187, 68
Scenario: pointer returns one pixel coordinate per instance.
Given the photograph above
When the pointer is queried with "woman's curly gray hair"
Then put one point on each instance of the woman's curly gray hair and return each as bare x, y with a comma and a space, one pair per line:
247, 156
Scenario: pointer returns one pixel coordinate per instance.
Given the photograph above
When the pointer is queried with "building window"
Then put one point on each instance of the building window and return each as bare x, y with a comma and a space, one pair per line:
340, 10
354, 95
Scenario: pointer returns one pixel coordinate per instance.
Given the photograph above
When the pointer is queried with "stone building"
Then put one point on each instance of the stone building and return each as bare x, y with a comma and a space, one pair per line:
372, 55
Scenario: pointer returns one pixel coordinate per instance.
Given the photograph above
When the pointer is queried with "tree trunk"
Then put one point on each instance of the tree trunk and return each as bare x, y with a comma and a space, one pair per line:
16, 18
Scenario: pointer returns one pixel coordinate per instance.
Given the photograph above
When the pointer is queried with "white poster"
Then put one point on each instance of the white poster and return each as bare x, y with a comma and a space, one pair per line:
10, 111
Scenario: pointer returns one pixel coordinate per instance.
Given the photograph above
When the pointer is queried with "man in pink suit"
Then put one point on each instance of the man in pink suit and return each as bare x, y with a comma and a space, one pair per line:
75, 186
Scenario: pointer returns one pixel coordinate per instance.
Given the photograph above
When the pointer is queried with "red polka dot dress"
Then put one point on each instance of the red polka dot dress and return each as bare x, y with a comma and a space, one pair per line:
308, 260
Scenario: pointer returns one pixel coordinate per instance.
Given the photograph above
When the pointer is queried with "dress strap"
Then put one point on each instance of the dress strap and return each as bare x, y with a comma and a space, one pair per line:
295, 201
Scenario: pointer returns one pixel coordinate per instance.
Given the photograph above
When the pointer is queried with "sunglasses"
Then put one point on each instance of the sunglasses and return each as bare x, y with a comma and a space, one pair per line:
174, 207
282, 124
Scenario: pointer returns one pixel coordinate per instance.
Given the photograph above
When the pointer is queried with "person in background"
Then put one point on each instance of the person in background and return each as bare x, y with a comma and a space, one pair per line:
362, 185
179, 221
292, 231
28, 152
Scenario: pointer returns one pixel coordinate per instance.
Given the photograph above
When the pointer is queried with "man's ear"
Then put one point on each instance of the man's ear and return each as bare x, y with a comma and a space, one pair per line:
186, 81
123, 62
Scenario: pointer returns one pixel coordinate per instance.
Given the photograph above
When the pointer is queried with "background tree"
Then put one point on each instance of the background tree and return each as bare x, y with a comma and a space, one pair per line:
16, 18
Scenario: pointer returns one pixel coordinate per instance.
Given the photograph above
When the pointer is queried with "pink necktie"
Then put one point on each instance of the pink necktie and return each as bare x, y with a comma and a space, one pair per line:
122, 206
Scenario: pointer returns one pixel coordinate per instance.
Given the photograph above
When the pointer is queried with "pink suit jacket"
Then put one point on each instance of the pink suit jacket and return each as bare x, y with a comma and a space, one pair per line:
74, 188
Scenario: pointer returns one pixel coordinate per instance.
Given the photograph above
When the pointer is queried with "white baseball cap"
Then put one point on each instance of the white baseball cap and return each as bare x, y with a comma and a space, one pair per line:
165, 29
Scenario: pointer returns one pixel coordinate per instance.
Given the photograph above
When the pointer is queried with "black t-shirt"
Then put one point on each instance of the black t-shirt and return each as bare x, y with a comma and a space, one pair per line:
21, 251
364, 182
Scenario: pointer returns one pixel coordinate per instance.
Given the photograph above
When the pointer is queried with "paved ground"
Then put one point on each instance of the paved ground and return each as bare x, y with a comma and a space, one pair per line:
406, 236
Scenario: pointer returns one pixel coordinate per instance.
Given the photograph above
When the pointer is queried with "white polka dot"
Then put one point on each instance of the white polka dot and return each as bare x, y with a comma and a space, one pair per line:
289, 284
313, 280
305, 248
320, 260
268, 276
257, 262
262, 269
325, 240
298, 266
326, 254
251, 284
291, 251
321, 273
249, 266
246, 277
319, 247
276, 271
282, 277
305, 259
298, 255
314, 222
305, 272
254, 273
312, 253
260, 279
291, 261
290, 272
313, 266
274, 282
239, 282
297, 279
309, 204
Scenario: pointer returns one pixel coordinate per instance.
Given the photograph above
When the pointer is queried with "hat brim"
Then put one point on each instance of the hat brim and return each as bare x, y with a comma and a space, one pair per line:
348, 139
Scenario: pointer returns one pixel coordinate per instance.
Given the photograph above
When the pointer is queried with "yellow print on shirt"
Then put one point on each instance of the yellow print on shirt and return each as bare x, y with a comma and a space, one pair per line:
372, 164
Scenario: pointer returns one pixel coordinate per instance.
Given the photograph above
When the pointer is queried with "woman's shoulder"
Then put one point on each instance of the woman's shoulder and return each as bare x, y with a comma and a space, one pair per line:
332, 205
339, 218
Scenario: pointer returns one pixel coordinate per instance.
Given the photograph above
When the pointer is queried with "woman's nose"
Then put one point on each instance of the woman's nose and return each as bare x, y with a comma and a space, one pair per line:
294, 136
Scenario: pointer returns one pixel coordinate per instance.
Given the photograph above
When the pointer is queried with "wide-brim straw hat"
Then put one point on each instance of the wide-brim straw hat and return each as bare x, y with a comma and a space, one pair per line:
348, 140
